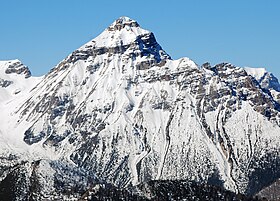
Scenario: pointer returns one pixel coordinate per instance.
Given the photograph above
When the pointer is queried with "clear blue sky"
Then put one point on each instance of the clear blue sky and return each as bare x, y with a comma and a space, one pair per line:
243, 32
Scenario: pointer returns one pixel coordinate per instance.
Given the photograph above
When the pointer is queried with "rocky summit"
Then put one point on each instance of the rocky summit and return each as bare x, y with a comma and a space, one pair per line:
120, 113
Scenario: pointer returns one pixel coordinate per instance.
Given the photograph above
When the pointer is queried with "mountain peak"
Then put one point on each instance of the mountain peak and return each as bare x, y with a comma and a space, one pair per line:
121, 22
15, 67
123, 37
122, 31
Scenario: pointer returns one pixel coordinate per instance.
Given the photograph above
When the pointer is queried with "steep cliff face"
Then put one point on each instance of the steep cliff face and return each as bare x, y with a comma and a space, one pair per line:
120, 110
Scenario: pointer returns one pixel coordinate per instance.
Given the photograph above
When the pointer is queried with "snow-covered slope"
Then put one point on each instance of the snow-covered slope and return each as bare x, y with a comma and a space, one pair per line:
16, 84
267, 81
121, 111
15, 80
257, 73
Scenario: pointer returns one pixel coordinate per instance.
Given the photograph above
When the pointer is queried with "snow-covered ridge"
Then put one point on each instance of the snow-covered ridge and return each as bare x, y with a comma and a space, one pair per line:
15, 80
257, 73
121, 32
13, 67
124, 37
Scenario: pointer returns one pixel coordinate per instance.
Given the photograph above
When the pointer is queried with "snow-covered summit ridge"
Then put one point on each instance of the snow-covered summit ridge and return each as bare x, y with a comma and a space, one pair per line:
123, 31
121, 22
123, 38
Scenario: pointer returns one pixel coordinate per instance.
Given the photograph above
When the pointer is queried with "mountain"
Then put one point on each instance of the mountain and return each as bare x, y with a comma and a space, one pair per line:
120, 111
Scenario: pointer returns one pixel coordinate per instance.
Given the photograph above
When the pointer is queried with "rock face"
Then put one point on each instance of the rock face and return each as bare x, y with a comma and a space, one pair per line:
18, 68
121, 111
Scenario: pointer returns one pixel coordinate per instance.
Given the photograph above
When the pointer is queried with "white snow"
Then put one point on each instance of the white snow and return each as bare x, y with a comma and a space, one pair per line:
257, 73
11, 136
19, 86
112, 37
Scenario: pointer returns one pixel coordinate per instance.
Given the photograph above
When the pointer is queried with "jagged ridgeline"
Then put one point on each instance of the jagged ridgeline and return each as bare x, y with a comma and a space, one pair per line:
118, 112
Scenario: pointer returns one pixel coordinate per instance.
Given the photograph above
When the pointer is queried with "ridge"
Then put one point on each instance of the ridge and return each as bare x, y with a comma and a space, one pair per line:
122, 31
14, 67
